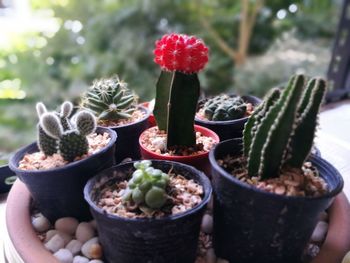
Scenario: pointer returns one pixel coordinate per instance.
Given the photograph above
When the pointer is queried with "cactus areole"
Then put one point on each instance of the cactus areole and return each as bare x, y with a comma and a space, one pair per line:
181, 57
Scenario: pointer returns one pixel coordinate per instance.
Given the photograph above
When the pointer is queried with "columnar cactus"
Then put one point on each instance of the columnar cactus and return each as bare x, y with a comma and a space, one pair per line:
281, 130
180, 57
224, 108
72, 143
147, 186
110, 99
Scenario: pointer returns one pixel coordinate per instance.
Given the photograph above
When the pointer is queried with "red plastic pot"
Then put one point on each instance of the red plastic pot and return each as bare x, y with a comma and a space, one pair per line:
200, 161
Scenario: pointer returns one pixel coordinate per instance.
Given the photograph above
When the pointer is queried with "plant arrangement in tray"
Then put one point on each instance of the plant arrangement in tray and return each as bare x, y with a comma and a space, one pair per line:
115, 106
181, 57
62, 139
272, 177
155, 206
69, 150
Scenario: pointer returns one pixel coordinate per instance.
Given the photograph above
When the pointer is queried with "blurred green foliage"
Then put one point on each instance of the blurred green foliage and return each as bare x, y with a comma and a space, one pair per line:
100, 38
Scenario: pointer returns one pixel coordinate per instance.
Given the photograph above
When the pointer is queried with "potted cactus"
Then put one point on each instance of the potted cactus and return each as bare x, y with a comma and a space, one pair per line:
176, 137
269, 190
67, 153
115, 106
226, 114
149, 211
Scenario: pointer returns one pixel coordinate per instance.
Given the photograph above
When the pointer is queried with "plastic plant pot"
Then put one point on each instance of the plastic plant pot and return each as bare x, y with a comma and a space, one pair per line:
127, 145
151, 119
168, 239
252, 225
199, 161
59, 192
228, 129
7, 178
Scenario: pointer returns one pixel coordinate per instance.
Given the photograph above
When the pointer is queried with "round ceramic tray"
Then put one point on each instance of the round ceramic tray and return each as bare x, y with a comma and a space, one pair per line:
23, 245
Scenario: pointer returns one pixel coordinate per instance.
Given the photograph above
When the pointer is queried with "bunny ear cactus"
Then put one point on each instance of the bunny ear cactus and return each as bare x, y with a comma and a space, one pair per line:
110, 99
181, 57
71, 143
147, 186
65, 113
281, 130
224, 108
46, 143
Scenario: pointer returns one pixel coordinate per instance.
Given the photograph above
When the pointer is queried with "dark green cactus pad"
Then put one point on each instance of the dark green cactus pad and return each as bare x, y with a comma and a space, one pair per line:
72, 145
46, 144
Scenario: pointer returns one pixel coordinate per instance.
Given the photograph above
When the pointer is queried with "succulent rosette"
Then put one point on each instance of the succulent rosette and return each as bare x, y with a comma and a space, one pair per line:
181, 57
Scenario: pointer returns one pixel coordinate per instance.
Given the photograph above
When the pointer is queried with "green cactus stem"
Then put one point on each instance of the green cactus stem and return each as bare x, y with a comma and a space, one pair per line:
71, 143
281, 130
147, 186
110, 99
65, 113
46, 143
224, 108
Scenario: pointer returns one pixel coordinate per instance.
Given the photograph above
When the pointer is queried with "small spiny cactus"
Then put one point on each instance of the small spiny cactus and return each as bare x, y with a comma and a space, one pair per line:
71, 143
281, 130
224, 108
65, 113
110, 99
147, 186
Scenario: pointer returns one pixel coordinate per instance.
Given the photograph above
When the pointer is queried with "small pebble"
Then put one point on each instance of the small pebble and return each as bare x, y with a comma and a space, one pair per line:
74, 246
91, 249
80, 259
67, 238
312, 250
50, 234
210, 256
346, 259
55, 243
41, 223
207, 224
221, 260
320, 232
67, 225
64, 256
96, 261
84, 232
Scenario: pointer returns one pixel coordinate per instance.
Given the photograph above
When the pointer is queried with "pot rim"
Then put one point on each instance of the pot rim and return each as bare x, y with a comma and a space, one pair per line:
140, 107
234, 180
245, 98
24, 150
211, 133
206, 184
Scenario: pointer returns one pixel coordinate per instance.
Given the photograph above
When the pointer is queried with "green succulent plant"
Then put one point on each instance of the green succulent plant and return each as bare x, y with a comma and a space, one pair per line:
71, 143
46, 143
110, 99
147, 186
224, 108
281, 130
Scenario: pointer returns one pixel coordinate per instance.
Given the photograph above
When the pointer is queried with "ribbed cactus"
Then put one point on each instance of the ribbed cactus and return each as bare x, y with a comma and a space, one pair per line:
71, 143
180, 57
110, 99
281, 130
147, 186
224, 108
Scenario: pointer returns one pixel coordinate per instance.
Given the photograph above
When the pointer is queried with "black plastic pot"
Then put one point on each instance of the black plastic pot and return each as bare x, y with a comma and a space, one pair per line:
59, 192
164, 240
251, 225
7, 178
227, 129
127, 145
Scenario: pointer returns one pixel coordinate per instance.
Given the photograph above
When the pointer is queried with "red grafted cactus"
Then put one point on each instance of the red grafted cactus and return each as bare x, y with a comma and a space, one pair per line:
181, 57
178, 52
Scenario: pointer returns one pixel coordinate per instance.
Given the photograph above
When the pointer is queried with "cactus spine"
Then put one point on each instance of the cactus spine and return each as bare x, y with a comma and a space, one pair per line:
147, 186
224, 108
281, 130
71, 143
110, 99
